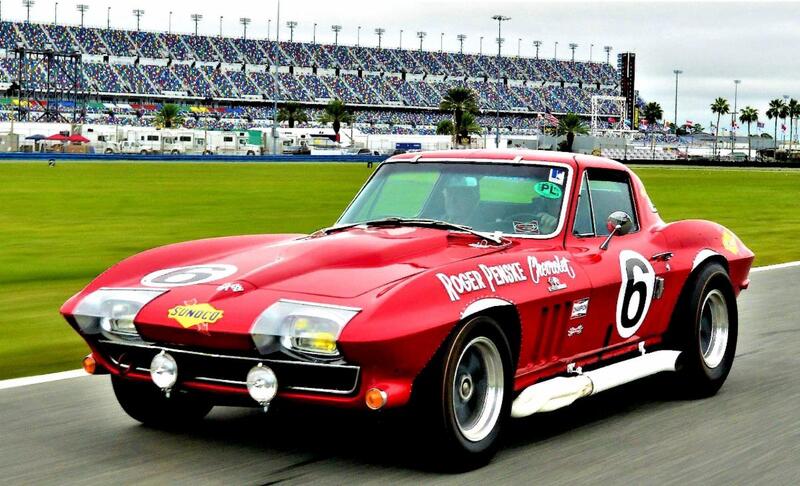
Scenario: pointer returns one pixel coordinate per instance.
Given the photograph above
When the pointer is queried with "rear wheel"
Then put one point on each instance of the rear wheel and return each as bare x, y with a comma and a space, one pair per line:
705, 329
150, 406
465, 394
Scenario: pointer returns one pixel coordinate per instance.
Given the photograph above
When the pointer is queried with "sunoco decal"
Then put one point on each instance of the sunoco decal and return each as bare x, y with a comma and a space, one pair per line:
492, 277
192, 314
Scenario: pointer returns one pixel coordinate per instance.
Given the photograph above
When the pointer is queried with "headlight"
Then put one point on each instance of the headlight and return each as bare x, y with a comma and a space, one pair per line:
112, 310
301, 326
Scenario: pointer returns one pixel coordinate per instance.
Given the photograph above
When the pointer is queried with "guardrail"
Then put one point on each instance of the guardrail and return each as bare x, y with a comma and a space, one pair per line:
29, 156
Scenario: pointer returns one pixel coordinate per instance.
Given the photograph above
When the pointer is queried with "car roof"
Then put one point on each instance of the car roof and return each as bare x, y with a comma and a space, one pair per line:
509, 155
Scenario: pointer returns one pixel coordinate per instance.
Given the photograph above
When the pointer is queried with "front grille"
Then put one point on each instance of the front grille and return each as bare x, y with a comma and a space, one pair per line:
215, 368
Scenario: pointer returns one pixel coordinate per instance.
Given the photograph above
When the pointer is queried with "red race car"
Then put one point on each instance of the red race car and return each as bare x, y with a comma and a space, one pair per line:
475, 286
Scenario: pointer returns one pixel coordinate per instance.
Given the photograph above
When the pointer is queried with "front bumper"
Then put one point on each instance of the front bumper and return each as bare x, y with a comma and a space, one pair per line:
226, 373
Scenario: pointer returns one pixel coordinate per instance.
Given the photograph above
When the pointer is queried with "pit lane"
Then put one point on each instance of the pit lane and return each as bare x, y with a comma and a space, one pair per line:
73, 431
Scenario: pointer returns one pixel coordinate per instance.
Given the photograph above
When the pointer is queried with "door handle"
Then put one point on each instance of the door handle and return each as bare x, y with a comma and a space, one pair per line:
664, 256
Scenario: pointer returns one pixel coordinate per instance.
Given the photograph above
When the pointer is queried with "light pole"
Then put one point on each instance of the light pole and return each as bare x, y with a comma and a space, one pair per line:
441, 42
608, 54
291, 25
55, 14
677, 73
108, 18
82, 8
28, 4
736, 83
336, 29
379, 32
555, 51
269, 28
314, 35
480, 46
169, 23
275, 85
421, 36
461, 38
573, 46
358, 37
591, 48
401, 40
537, 44
500, 19
245, 21
519, 46
138, 13
196, 18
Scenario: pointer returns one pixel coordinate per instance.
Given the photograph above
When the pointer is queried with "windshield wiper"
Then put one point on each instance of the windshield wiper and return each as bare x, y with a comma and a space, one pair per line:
429, 223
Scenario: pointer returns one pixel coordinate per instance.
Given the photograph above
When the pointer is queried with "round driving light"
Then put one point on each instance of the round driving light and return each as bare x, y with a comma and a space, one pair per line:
89, 364
375, 398
164, 370
262, 384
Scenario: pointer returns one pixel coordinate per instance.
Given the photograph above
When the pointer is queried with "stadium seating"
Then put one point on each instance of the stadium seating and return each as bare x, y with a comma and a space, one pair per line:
375, 80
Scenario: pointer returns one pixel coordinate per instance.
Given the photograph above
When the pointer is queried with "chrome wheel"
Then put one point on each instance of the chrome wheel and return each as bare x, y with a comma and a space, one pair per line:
478, 389
714, 325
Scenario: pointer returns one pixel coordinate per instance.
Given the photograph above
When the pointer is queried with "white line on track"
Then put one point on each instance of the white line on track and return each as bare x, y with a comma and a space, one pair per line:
35, 380
66, 375
775, 267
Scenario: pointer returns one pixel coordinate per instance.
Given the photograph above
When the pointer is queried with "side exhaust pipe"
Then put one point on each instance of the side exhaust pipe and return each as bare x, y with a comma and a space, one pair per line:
559, 392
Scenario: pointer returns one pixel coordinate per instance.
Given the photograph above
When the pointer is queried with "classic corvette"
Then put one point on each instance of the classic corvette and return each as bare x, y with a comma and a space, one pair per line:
474, 286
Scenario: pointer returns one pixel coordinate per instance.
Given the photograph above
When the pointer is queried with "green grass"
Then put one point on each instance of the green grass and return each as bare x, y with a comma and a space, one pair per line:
60, 227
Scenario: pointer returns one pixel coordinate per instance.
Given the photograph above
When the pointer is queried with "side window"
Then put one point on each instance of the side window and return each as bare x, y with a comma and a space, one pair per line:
584, 224
602, 193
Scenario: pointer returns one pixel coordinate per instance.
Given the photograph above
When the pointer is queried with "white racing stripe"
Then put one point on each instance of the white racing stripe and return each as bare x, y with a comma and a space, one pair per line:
66, 375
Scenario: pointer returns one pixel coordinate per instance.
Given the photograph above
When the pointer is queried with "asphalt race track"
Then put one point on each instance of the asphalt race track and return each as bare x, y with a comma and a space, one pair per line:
72, 431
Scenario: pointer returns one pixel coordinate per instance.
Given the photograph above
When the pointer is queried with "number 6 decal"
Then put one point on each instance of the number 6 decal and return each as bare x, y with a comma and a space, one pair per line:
635, 293
192, 275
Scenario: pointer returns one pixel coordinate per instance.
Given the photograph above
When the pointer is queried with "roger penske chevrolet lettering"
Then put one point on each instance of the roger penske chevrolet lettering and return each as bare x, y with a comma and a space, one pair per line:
473, 287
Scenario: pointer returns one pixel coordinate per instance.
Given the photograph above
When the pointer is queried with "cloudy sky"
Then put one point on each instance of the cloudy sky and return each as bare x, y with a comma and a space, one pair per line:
712, 42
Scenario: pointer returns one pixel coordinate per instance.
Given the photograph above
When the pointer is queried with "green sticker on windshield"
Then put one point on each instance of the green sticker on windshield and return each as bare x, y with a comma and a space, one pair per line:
548, 190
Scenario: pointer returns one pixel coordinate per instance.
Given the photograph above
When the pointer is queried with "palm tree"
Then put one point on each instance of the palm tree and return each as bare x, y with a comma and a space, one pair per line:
169, 116
445, 127
459, 101
720, 107
652, 113
292, 113
793, 108
469, 126
335, 112
774, 111
571, 125
697, 128
748, 115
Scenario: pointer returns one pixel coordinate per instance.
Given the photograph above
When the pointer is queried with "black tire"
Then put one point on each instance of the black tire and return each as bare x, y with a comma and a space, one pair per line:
436, 399
147, 404
707, 352
109, 151
175, 152
143, 152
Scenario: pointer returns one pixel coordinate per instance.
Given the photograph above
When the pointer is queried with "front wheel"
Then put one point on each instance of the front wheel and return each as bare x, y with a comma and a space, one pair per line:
466, 394
705, 329
146, 403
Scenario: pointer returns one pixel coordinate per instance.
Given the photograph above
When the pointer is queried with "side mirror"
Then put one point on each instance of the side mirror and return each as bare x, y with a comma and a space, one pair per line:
618, 223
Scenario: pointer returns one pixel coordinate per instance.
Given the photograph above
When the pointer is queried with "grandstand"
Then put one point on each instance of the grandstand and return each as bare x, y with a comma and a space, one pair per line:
226, 83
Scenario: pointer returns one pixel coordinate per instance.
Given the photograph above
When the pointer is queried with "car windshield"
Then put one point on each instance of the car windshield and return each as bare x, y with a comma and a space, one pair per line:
514, 199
